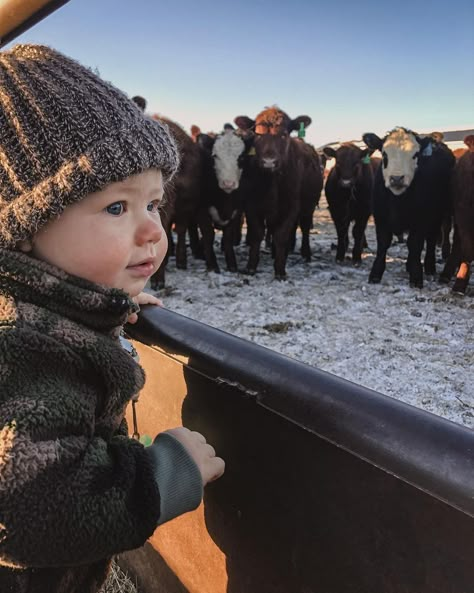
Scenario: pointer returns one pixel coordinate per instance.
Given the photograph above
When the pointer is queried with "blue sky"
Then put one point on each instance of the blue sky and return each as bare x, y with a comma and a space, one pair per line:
352, 66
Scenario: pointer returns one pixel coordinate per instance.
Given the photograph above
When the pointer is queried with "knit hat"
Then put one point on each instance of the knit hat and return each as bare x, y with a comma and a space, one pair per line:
65, 133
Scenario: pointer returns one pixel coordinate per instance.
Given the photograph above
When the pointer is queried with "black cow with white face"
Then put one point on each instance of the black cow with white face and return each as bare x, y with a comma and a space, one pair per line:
411, 193
223, 160
282, 179
348, 193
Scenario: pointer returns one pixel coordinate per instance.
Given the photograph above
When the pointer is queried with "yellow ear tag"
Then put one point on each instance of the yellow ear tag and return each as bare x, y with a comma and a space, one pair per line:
251, 151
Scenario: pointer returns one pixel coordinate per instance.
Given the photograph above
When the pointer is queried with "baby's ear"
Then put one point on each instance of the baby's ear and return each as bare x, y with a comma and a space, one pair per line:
24, 246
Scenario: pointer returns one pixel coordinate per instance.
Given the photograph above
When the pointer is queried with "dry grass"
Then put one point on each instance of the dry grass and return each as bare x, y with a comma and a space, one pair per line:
118, 582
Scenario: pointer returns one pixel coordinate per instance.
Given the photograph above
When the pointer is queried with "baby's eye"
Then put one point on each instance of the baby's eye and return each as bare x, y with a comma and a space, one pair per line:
154, 206
116, 209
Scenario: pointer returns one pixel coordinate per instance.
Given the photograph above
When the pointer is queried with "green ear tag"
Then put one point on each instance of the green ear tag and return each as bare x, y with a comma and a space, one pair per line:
301, 131
366, 160
145, 440
252, 151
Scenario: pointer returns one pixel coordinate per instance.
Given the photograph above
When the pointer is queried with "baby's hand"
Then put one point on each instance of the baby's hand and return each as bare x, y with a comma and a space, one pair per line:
143, 299
210, 466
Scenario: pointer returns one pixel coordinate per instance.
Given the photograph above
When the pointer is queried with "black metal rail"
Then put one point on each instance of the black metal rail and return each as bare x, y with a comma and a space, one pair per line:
424, 450
17, 17
329, 487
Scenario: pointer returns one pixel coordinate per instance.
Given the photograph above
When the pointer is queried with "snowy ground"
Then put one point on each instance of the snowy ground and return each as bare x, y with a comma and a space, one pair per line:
414, 345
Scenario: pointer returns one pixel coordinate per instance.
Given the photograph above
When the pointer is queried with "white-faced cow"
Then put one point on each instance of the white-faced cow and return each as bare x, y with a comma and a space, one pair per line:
282, 180
411, 193
223, 172
348, 193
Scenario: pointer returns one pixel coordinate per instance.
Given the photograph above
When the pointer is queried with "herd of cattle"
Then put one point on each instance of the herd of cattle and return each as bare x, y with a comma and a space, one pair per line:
274, 179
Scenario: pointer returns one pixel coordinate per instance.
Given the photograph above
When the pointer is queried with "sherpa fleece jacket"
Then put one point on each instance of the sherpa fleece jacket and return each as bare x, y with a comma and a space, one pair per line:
74, 488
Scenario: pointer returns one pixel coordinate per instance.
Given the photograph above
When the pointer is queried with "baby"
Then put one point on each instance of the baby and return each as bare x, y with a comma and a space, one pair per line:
82, 173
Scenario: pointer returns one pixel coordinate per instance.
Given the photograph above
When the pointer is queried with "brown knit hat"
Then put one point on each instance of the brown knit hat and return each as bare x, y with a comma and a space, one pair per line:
65, 133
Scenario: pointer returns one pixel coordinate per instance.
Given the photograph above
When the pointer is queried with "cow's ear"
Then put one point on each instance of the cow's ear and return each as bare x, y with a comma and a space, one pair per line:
244, 123
206, 141
424, 142
301, 119
329, 152
373, 141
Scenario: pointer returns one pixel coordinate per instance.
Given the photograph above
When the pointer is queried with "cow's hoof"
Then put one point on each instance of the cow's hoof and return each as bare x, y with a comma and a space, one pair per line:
444, 279
216, 270
459, 287
280, 277
339, 260
232, 269
181, 266
357, 263
416, 283
374, 280
250, 271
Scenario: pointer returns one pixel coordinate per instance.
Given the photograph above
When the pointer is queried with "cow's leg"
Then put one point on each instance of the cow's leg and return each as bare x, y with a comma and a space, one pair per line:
415, 242
384, 240
306, 221
255, 234
281, 238
228, 241
237, 225
445, 232
462, 278
207, 232
194, 241
342, 229
453, 260
268, 239
171, 247
180, 229
358, 233
430, 255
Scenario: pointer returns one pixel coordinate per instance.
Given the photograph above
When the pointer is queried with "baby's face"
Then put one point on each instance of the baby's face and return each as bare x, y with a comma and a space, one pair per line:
112, 237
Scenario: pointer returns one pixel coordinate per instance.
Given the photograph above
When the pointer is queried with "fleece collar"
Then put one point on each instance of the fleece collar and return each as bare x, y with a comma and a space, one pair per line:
30, 280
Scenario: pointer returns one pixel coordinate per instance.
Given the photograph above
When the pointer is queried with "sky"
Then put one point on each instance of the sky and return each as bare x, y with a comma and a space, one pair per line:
353, 67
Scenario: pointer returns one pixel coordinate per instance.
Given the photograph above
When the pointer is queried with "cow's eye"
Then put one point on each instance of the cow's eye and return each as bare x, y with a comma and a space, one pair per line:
384, 159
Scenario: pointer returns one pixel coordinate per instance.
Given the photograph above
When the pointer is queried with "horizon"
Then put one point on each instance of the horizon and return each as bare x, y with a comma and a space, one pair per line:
207, 64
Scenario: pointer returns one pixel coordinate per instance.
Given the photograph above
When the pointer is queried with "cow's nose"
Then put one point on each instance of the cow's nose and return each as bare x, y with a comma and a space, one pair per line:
269, 163
228, 184
397, 180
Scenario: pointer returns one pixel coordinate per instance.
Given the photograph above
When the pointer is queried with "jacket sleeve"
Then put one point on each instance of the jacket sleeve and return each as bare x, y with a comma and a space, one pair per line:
67, 495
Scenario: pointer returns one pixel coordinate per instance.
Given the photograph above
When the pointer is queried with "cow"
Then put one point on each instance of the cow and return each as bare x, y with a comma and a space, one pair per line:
183, 204
411, 193
463, 204
282, 180
348, 193
222, 173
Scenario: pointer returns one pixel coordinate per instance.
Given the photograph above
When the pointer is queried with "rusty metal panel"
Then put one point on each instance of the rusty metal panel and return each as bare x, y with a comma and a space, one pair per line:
329, 488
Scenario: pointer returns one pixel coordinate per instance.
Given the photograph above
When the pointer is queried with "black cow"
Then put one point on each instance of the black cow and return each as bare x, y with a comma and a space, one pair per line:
282, 180
411, 193
183, 204
348, 193
463, 243
223, 163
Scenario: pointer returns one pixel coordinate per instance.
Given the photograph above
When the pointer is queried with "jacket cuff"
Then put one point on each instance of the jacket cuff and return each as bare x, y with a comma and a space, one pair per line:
177, 475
